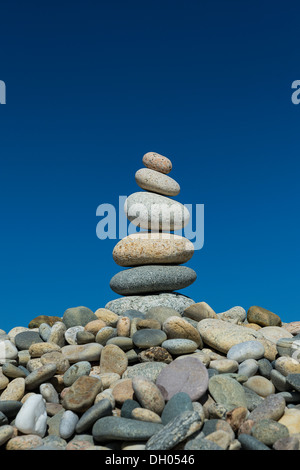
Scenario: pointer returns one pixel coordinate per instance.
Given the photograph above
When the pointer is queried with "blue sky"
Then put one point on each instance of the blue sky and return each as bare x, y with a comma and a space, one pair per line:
91, 87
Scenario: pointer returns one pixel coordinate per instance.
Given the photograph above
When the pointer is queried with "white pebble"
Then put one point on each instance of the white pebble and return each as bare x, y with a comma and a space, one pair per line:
67, 424
32, 417
49, 393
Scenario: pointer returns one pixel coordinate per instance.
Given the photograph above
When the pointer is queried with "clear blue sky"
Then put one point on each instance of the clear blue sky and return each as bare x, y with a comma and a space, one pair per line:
91, 87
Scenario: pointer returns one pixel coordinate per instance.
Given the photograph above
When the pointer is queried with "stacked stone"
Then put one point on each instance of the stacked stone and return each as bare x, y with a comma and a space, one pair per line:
153, 255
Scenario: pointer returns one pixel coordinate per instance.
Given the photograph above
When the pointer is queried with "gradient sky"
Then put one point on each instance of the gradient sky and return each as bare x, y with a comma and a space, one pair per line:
91, 87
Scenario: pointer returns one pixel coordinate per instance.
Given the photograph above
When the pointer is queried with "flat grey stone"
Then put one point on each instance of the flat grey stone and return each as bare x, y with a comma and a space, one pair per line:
25, 339
112, 428
152, 278
95, 412
148, 337
227, 391
78, 316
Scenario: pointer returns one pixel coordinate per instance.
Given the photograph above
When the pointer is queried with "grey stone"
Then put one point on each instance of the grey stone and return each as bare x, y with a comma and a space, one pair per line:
152, 278
272, 407
143, 303
179, 403
200, 443
128, 406
269, 431
149, 370
294, 381
25, 339
251, 443
227, 391
10, 408
246, 350
112, 428
148, 337
78, 316
265, 367
76, 370
95, 412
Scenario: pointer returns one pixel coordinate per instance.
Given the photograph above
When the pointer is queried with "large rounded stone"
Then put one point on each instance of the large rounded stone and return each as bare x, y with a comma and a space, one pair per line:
143, 303
187, 375
152, 211
82, 352
78, 316
113, 359
263, 317
148, 394
152, 278
114, 428
177, 327
157, 182
198, 311
82, 393
25, 339
152, 248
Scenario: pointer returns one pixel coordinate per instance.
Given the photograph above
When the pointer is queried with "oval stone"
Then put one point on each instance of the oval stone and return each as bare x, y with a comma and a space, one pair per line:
82, 352
246, 350
227, 391
187, 375
152, 278
157, 162
263, 317
112, 428
152, 180
78, 316
152, 248
152, 211
148, 337
179, 346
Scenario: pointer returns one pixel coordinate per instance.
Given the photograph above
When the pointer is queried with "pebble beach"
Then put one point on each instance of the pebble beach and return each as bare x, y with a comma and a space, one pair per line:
152, 369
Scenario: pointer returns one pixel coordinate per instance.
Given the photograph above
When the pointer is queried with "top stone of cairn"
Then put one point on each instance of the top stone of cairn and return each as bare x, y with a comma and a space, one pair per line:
157, 162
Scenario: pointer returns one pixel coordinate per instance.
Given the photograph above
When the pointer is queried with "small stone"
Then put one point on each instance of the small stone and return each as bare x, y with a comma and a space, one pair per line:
25, 339
176, 327
249, 367
24, 442
112, 428
263, 317
177, 404
157, 162
246, 350
6, 432
78, 316
287, 443
234, 315
82, 393
185, 375
71, 334
142, 414
148, 394
10, 408
49, 393
287, 365
291, 419
146, 338
157, 182
57, 334
179, 346
105, 334
200, 443
236, 417
227, 391
76, 370
84, 352
177, 430
40, 375
269, 431
161, 313
109, 318
113, 359
8, 351
127, 408
14, 390
67, 424
38, 349
294, 381
122, 390
151, 323
56, 357
32, 417
85, 337
224, 366
37, 321
272, 407
123, 326
260, 385
199, 311
149, 370
12, 371
221, 438
122, 342
251, 443
155, 353
95, 412
94, 326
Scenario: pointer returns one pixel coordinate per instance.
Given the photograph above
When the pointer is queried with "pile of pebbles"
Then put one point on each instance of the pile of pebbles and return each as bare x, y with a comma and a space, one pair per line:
159, 380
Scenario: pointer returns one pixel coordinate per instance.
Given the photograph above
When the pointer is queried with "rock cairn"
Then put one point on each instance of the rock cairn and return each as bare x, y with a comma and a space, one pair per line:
154, 256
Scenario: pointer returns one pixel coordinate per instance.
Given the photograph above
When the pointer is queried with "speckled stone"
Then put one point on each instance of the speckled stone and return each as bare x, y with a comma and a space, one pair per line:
233, 315
145, 248
152, 278
177, 327
155, 354
157, 162
176, 431
157, 182
260, 385
227, 391
294, 381
179, 346
246, 350
269, 431
149, 370
291, 419
272, 407
113, 359
152, 211
24, 442
76, 370
112, 428
82, 393
143, 303
83, 352
40, 375
148, 394
95, 412
6, 432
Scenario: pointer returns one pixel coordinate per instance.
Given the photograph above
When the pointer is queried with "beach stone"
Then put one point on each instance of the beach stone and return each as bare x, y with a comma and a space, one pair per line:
178, 403
274, 333
15, 390
287, 443
177, 430
67, 424
200, 443
265, 367
12, 371
148, 394
178, 327
236, 417
272, 407
221, 438
45, 331
71, 334
179, 346
84, 337
95, 412
224, 366
128, 406
151, 323
122, 390
82, 393
113, 359
76, 370
152, 211
57, 334
57, 358
32, 417
40, 375
149, 370
294, 381
246, 350
251, 443
38, 349
8, 351
227, 391
109, 318
155, 354
94, 326
289, 346
25, 339
143, 303
148, 248
78, 316
111, 428
262, 317
291, 419
287, 365
157, 162
222, 335
105, 334
161, 313
10, 408
123, 342
24, 442
157, 182
49, 393
234, 315
152, 278
249, 367
4, 381
6, 432
148, 337
199, 311
269, 431
83, 352
49, 319
123, 326
292, 327
185, 375
142, 414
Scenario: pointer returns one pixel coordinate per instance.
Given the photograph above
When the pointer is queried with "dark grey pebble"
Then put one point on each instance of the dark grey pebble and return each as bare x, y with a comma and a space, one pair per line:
97, 411
294, 381
10, 407
178, 403
264, 367
249, 442
117, 428
78, 316
13, 371
25, 339
128, 406
3, 419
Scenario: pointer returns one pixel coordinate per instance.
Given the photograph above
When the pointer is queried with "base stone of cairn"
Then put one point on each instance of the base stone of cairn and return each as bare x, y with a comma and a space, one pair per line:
153, 255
